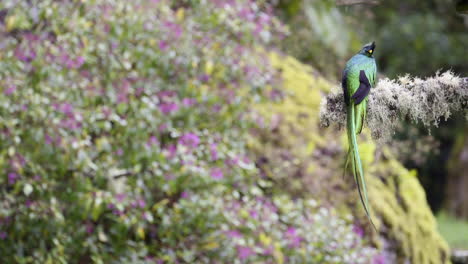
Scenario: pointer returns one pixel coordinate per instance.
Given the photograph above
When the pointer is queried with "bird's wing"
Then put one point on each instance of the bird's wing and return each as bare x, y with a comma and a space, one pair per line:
364, 88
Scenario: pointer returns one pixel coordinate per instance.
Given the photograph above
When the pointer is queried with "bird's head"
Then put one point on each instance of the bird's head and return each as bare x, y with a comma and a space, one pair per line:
368, 49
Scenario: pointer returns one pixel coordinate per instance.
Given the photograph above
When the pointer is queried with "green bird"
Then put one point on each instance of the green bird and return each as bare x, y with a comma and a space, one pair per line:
359, 76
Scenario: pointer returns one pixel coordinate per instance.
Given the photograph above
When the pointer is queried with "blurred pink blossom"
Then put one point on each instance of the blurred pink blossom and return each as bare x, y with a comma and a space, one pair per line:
189, 140
216, 173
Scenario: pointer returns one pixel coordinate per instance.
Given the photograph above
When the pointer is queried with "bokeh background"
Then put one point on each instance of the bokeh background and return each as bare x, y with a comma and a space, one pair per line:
158, 131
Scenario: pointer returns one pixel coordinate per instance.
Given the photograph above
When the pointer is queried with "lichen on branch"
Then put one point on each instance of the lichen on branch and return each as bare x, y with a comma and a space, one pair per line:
419, 100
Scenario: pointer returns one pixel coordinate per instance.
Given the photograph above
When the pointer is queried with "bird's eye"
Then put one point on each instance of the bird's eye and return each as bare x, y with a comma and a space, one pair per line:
370, 51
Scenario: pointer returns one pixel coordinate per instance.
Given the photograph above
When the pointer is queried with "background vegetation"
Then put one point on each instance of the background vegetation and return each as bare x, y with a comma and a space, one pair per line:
158, 131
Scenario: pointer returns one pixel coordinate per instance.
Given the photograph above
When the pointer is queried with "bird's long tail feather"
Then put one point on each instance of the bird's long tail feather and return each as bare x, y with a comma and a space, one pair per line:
355, 159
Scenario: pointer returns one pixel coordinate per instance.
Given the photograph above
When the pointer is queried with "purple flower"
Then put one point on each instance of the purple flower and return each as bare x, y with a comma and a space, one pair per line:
120, 197
244, 252
119, 152
141, 203
117, 212
78, 62
12, 177
174, 28
213, 151
233, 234
163, 45
184, 195
253, 213
152, 141
216, 108
204, 78
232, 162
3, 235
72, 63
89, 228
189, 102
11, 89
28, 203
294, 239
25, 55
168, 108
291, 231
216, 173
162, 127
379, 259
166, 94
358, 230
189, 140
65, 108
268, 251
170, 151
106, 111
169, 176
139, 91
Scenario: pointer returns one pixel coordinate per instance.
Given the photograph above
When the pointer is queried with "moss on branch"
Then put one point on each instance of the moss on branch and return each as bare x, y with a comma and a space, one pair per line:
419, 100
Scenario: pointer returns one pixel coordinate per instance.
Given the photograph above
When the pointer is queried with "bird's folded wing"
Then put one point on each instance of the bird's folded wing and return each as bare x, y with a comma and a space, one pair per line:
363, 90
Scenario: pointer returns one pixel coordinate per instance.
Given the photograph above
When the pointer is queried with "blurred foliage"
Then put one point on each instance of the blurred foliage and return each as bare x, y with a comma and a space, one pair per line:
419, 38
320, 35
325, 35
454, 230
123, 138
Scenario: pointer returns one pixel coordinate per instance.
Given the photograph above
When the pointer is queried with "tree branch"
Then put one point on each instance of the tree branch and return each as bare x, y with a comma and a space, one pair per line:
419, 100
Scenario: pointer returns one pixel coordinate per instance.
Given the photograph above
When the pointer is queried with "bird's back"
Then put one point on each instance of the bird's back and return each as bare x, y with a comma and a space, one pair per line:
353, 67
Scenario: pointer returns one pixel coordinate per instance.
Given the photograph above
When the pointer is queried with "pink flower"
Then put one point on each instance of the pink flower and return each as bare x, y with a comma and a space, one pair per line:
89, 228
11, 89
12, 177
188, 102
152, 141
358, 230
233, 234
25, 55
253, 213
244, 252
170, 151
379, 259
184, 195
163, 45
166, 94
189, 140
291, 231
204, 78
168, 108
119, 152
141, 203
294, 238
213, 151
216, 173
120, 197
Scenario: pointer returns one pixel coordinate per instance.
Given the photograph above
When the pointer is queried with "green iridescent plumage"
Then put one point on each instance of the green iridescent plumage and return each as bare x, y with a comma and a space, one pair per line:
359, 76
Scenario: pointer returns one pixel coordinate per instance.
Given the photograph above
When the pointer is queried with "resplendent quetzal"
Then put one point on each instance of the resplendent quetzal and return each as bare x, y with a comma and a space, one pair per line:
358, 78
